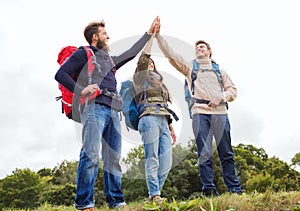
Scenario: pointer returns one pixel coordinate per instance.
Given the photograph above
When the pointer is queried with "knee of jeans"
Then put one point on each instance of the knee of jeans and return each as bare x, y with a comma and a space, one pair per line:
114, 160
204, 159
95, 159
227, 158
92, 156
164, 173
165, 166
151, 175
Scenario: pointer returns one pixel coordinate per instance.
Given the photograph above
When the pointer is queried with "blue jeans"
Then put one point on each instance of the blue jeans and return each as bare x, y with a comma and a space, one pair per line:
205, 126
157, 141
101, 126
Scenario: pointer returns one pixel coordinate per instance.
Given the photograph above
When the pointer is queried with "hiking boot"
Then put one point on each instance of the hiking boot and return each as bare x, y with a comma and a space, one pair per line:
210, 192
236, 190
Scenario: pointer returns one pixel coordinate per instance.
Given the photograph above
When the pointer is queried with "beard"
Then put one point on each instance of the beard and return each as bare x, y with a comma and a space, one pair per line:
102, 45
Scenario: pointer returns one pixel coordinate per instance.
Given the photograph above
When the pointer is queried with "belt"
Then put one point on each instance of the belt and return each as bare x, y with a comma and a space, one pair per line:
158, 106
114, 95
200, 101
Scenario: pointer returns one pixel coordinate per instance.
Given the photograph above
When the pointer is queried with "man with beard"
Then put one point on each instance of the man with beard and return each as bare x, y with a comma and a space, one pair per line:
101, 123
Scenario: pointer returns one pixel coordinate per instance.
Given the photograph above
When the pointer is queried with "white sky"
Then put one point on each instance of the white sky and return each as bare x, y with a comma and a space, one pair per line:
256, 42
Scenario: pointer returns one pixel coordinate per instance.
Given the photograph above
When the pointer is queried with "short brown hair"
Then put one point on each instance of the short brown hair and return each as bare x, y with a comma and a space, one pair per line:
207, 45
91, 29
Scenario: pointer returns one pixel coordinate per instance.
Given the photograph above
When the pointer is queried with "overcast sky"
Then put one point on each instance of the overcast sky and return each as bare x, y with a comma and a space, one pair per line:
256, 42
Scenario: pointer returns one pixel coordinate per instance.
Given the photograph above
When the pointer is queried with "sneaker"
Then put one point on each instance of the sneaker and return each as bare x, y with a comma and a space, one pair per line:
120, 205
210, 192
157, 199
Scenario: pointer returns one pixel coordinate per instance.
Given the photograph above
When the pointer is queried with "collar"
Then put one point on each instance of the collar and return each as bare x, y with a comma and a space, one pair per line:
204, 61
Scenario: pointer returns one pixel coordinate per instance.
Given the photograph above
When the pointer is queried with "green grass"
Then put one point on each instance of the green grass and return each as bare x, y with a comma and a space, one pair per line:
226, 202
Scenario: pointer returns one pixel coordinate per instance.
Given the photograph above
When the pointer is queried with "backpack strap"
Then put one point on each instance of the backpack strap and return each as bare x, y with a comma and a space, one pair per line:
195, 69
196, 66
188, 97
91, 63
91, 67
143, 96
114, 69
216, 70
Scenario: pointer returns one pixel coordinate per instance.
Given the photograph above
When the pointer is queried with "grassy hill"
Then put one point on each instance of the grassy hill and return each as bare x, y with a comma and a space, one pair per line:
226, 202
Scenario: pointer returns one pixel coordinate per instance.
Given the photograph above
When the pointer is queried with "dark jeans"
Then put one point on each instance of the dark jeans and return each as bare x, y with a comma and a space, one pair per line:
205, 127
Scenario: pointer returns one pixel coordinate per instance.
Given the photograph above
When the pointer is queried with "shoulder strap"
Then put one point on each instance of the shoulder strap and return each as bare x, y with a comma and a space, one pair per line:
114, 69
91, 66
143, 95
216, 69
195, 69
91, 62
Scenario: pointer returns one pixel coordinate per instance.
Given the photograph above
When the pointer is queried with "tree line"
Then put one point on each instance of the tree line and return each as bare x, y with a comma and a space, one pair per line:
257, 172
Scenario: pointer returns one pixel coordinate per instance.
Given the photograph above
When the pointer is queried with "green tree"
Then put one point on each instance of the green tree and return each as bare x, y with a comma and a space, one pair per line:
44, 172
134, 182
59, 183
21, 189
65, 173
261, 182
183, 179
296, 160
254, 157
59, 194
288, 177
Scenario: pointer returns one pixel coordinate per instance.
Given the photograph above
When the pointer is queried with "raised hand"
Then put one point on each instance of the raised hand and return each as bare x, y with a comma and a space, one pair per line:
157, 26
154, 25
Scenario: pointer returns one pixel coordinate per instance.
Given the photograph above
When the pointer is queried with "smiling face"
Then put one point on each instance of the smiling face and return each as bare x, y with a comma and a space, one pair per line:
201, 51
151, 65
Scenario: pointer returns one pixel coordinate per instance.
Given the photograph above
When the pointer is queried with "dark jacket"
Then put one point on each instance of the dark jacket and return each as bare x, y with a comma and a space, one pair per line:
104, 76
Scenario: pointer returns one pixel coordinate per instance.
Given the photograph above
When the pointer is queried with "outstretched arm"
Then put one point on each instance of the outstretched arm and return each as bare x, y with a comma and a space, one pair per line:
149, 44
148, 47
175, 59
136, 48
143, 61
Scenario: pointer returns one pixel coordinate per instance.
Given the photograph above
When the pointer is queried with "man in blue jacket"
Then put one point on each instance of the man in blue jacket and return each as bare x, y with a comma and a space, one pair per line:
100, 119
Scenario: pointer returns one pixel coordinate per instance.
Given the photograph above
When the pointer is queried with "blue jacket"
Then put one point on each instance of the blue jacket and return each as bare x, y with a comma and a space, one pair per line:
105, 78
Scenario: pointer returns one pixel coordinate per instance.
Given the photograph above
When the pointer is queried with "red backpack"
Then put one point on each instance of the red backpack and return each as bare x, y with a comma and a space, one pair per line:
67, 97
